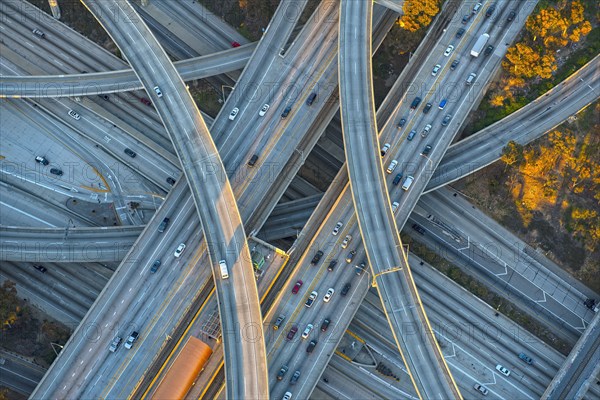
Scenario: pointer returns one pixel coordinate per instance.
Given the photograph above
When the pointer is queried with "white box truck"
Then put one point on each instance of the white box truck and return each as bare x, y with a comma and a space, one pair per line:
224, 271
479, 45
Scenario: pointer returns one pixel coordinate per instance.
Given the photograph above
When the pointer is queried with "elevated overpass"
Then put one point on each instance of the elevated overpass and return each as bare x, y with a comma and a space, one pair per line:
391, 272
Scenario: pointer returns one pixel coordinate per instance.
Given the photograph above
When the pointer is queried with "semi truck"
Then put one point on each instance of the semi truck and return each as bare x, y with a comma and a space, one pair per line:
479, 45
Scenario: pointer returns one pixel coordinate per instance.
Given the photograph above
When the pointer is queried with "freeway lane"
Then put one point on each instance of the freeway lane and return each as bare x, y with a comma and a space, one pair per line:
421, 353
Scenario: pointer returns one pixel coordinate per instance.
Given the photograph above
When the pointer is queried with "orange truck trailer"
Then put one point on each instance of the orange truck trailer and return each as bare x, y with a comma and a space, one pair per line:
185, 369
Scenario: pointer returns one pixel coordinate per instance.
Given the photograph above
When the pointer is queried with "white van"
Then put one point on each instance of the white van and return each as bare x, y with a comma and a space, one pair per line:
392, 166
224, 271
407, 182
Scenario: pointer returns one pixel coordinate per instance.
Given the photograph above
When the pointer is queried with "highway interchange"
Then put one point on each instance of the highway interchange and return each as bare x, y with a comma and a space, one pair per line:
246, 209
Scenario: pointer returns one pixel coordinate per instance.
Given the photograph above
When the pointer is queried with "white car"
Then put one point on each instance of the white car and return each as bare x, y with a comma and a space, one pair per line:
395, 206
307, 331
449, 50
392, 166
234, 113
74, 115
346, 241
157, 91
502, 370
179, 250
435, 70
328, 295
337, 228
287, 395
385, 148
263, 110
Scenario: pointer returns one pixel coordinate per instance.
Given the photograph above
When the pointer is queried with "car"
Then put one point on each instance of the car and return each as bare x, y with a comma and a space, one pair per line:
131, 339
407, 182
325, 324
311, 298
328, 295
466, 18
332, 265
454, 65
114, 345
435, 70
41, 268
401, 122
155, 266
411, 135
350, 256
426, 150
392, 166
446, 119
170, 181
56, 171
74, 115
311, 98
511, 15
415, 103
449, 50
179, 250
157, 91
235, 44
282, 372
307, 331
471, 79
233, 113
418, 228
287, 396
146, 101
295, 378
395, 206
385, 149
503, 370
427, 108
337, 228
488, 50
279, 321
426, 130
346, 241
292, 332
286, 112
41, 160
316, 257
297, 287
104, 96
476, 8
263, 110
490, 10
311, 346
130, 153
252, 161
443, 104
346, 289
460, 32
39, 33
397, 179
526, 358
163, 225
480, 389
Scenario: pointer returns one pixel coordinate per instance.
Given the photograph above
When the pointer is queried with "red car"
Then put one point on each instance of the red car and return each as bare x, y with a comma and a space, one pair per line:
292, 332
297, 287
146, 101
235, 44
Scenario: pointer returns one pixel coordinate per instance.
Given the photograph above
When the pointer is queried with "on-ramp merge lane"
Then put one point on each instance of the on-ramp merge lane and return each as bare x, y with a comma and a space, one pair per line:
420, 351
245, 358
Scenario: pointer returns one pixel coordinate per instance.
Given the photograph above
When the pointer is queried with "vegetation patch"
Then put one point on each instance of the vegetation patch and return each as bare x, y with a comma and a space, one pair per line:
23, 333
548, 193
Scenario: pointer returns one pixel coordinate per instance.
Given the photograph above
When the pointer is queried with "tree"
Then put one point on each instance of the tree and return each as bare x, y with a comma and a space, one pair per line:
9, 304
418, 14
512, 154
